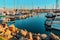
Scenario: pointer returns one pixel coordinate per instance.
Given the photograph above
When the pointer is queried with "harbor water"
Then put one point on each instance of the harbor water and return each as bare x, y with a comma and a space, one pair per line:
33, 24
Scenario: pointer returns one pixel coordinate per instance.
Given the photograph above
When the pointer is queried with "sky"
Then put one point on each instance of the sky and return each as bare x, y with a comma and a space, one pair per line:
28, 4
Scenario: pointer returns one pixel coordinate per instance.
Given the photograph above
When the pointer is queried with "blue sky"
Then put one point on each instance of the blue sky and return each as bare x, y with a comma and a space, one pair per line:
27, 4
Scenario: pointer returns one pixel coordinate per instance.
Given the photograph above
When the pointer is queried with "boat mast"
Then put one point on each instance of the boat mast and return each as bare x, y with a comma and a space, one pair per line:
21, 5
32, 7
45, 5
17, 6
56, 4
14, 4
4, 4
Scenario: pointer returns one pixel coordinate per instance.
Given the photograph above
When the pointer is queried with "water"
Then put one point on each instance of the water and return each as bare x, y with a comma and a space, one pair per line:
56, 32
33, 24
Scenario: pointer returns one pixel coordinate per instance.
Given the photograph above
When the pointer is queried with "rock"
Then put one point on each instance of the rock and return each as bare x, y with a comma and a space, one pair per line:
8, 34
22, 38
24, 32
12, 28
43, 36
53, 36
30, 34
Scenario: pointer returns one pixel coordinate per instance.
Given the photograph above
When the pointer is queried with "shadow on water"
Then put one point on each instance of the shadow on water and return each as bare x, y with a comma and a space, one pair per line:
56, 32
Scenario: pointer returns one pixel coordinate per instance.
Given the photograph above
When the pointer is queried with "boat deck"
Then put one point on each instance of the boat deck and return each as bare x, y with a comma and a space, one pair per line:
55, 26
56, 23
58, 14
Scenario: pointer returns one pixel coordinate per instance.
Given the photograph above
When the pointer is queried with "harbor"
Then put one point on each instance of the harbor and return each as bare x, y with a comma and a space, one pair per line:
29, 20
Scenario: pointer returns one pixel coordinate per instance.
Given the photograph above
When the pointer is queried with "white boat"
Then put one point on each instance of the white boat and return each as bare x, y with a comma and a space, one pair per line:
48, 23
56, 24
50, 15
57, 17
58, 14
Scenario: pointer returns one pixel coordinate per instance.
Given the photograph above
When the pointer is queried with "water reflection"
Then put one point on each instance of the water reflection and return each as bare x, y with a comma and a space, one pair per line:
34, 24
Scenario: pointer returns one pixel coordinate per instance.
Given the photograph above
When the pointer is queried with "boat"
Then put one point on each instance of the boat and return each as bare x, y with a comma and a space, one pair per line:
11, 17
20, 14
48, 24
57, 11
57, 14
56, 24
51, 15
18, 17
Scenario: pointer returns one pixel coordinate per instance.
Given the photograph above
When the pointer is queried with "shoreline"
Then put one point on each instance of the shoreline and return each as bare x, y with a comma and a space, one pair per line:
12, 32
